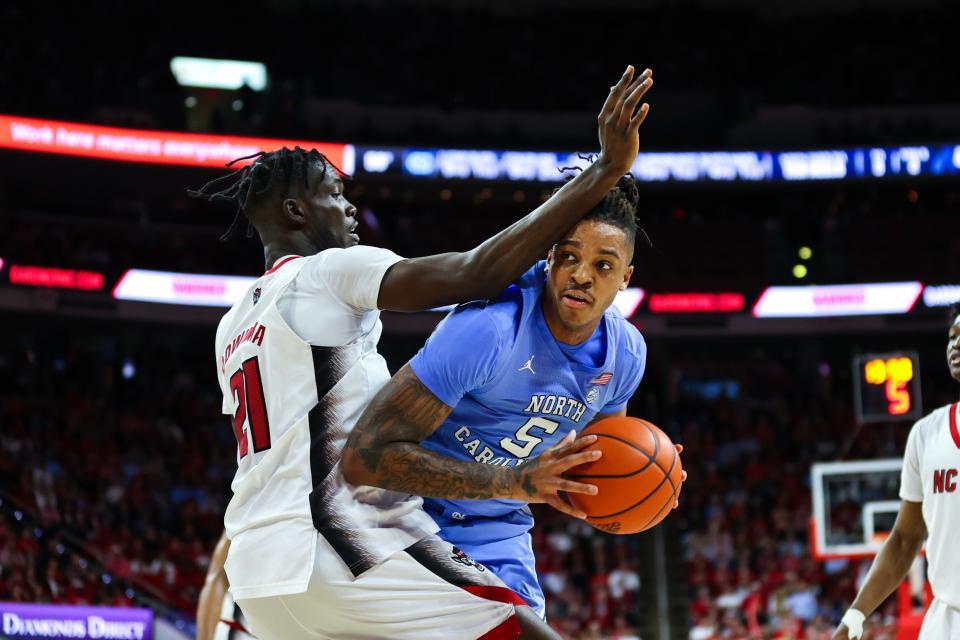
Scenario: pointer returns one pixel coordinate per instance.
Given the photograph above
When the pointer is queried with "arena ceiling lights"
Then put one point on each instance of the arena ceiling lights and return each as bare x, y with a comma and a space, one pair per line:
211, 73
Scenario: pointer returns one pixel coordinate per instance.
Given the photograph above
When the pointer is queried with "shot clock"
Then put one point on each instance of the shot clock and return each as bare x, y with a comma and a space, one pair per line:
887, 387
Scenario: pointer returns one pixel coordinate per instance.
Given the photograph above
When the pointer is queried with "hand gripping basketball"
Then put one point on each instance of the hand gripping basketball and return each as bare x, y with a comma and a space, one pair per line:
638, 479
541, 478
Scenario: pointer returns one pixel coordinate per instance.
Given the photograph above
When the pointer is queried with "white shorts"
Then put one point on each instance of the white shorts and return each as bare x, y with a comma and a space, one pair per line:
429, 590
941, 622
232, 625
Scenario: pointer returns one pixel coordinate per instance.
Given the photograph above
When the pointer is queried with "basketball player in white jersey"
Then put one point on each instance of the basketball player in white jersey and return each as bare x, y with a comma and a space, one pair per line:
930, 507
310, 555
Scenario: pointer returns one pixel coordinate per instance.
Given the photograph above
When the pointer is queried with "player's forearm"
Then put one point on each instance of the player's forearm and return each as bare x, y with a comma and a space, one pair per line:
214, 588
209, 605
500, 260
384, 449
888, 571
411, 468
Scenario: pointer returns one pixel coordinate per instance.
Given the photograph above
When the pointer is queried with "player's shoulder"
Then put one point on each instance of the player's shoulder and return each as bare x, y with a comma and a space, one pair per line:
346, 257
496, 318
933, 420
926, 427
508, 312
627, 338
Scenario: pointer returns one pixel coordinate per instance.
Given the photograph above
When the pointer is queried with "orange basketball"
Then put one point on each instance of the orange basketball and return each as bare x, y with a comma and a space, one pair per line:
638, 477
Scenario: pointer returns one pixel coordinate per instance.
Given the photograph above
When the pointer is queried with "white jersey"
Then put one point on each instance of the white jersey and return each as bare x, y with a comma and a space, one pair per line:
931, 475
297, 362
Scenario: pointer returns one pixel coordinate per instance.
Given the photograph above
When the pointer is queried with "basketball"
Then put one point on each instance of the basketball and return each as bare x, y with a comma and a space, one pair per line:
638, 477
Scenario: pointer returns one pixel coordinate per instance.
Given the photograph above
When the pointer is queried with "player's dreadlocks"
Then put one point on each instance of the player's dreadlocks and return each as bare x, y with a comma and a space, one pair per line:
619, 207
252, 184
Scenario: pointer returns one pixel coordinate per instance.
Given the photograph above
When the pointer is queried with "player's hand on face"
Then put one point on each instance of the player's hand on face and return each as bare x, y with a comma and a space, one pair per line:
620, 119
541, 479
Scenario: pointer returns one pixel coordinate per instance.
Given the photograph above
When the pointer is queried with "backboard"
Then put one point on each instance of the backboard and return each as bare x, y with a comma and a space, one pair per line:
855, 504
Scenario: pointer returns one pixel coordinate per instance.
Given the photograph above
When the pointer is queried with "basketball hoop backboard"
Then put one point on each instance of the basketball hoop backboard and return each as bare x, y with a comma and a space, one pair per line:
855, 504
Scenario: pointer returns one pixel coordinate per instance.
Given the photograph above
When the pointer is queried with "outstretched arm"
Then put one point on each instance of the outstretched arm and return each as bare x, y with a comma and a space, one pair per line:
892, 563
384, 451
448, 278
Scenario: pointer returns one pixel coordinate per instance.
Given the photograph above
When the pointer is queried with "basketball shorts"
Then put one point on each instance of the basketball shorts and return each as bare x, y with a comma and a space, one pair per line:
942, 622
510, 558
430, 590
233, 625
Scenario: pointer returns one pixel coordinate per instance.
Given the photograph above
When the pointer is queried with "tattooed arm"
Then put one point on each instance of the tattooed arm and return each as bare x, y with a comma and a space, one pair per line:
384, 451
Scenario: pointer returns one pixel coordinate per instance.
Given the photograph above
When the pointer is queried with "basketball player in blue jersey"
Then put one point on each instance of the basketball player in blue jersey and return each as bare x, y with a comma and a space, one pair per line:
508, 383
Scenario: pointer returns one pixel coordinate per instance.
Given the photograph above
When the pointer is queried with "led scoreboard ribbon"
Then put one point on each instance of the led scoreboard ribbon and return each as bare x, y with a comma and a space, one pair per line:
412, 163
665, 166
887, 387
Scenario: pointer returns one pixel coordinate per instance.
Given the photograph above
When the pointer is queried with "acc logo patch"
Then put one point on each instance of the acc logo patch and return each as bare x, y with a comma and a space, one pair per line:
256, 295
593, 394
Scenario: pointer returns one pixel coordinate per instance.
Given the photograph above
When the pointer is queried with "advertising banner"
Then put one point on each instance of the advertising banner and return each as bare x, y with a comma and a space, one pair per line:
47, 621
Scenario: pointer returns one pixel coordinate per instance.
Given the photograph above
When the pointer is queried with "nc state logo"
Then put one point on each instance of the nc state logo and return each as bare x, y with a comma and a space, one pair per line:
465, 560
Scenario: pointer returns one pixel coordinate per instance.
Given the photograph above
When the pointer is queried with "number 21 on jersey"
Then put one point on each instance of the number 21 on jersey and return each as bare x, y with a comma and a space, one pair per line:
247, 389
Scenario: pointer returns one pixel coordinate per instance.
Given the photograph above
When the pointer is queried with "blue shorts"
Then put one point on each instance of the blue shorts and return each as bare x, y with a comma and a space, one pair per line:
509, 555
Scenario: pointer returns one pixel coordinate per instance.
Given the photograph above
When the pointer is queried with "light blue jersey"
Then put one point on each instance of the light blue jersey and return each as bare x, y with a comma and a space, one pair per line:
516, 391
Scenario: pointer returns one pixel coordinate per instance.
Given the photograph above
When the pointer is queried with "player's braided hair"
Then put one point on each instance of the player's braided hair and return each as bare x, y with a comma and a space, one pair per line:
249, 185
619, 207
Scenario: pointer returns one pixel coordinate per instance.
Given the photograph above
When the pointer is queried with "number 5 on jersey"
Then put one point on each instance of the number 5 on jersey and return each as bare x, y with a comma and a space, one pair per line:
247, 389
528, 440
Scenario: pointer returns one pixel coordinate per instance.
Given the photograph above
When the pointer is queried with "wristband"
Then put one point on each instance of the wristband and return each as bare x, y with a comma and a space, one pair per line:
853, 619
